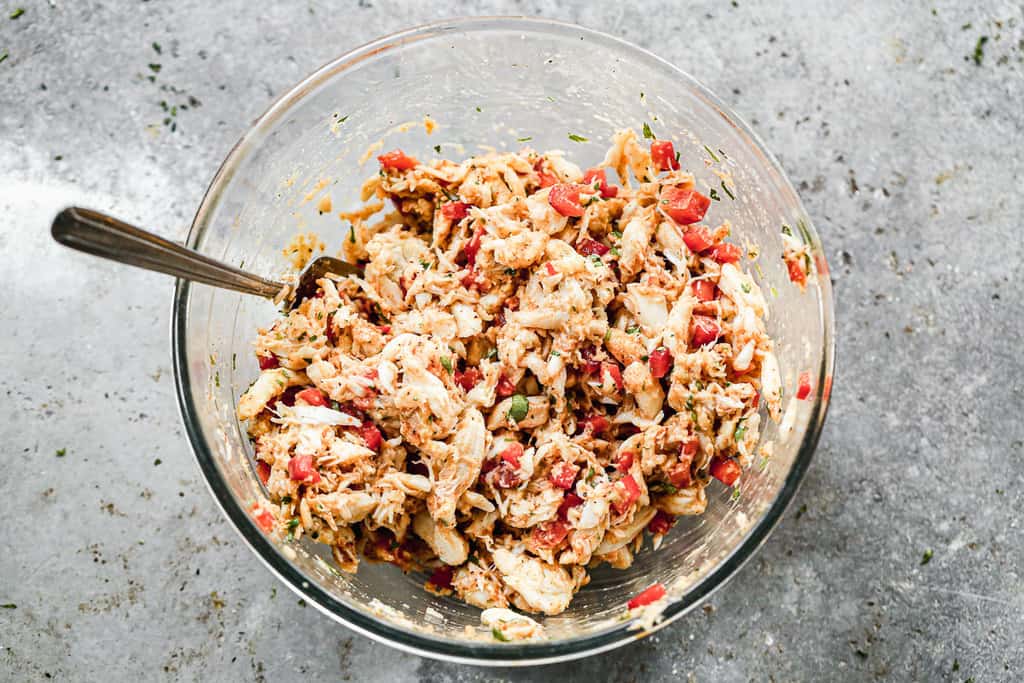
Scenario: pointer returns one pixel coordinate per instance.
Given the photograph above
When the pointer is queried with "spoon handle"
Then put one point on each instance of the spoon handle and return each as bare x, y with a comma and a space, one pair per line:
101, 235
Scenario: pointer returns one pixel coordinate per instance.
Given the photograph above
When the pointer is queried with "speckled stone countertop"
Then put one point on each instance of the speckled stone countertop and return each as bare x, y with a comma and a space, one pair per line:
901, 125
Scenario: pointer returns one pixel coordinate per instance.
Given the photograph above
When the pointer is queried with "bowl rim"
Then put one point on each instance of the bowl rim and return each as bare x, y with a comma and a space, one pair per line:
483, 653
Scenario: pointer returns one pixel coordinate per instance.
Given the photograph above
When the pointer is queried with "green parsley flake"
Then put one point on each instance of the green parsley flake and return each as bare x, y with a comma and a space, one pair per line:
292, 523
155, 68
492, 353
437, 148
577, 138
647, 132
741, 429
726, 189
979, 50
61, 452
617, 234
735, 494
927, 557
714, 195
520, 407
17, 13
556, 354
498, 635
526, 139
352, 234
745, 287
9, 605
3, 56
633, 329
479, 109
713, 155
446, 363
426, 264
591, 472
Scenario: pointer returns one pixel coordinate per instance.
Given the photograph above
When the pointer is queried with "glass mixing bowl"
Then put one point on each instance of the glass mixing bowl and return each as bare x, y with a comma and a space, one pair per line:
488, 83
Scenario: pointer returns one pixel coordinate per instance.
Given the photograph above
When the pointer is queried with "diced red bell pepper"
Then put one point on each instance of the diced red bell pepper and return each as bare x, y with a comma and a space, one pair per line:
551, 268
611, 370
264, 518
263, 471
660, 361
796, 272
563, 475
679, 472
550, 534
663, 155
590, 365
474, 279
689, 447
312, 396
442, 577
565, 199
726, 253
698, 239
597, 175
661, 523
628, 492
625, 461
397, 160
268, 362
371, 435
546, 179
803, 387
473, 247
725, 470
468, 378
703, 330
455, 211
589, 247
597, 424
684, 205
704, 290
506, 387
300, 468
512, 453
570, 501
647, 596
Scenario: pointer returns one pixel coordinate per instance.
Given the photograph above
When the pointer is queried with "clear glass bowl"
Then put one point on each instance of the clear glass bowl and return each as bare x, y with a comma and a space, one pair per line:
487, 82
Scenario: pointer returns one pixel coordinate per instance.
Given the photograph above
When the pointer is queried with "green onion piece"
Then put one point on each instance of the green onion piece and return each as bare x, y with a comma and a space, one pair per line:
520, 407
446, 363
577, 138
647, 132
498, 635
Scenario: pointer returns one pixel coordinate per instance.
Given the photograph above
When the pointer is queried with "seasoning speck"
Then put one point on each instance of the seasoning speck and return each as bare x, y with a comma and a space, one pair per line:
61, 452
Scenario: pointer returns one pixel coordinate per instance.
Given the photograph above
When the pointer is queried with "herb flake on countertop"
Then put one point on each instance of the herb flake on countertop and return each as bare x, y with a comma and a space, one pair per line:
3, 56
647, 131
713, 155
577, 138
9, 605
927, 557
526, 139
979, 50
17, 12
728, 191
61, 452
156, 48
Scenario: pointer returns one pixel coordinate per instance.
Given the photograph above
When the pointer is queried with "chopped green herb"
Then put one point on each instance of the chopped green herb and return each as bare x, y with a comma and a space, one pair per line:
735, 494
3, 56
726, 189
287, 500
802, 511
155, 68
774, 292
745, 287
647, 132
437, 148
550, 98
156, 463
216, 378
446, 363
352, 234
764, 464
645, 358
614, 251
492, 353
596, 260
292, 523
979, 50
713, 155
616, 234
591, 472
452, 197
956, 664
526, 139
17, 13
510, 271
927, 557
714, 195
520, 407
608, 334
633, 329
9, 605
786, 230
577, 138
343, 119
663, 487
498, 635
741, 429
426, 264
314, 338
556, 354
61, 452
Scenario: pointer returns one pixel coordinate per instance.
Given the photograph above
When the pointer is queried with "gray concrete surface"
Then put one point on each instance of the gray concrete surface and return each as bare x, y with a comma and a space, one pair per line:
907, 150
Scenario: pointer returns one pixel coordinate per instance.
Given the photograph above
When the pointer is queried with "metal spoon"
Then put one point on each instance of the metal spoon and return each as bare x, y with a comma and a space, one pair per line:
102, 235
